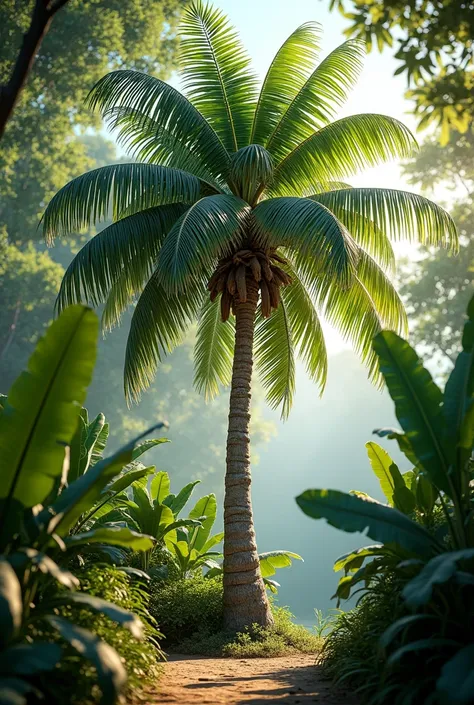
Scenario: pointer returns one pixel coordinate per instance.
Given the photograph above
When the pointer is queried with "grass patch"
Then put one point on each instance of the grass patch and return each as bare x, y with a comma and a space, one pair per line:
282, 639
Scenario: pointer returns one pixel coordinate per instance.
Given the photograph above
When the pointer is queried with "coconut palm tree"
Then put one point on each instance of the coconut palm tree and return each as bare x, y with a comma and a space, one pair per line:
235, 215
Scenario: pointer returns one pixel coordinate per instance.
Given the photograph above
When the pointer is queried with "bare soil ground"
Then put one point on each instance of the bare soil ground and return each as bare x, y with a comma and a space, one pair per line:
289, 680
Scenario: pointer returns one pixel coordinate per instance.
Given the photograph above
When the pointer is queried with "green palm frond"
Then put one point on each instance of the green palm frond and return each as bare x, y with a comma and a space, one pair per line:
216, 74
385, 297
131, 244
282, 83
351, 311
122, 293
275, 358
96, 195
213, 350
313, 233
308, 335
399, 214
319, 98
166, 107
159, 321
365, 232
341, 149
146, 141
206, 231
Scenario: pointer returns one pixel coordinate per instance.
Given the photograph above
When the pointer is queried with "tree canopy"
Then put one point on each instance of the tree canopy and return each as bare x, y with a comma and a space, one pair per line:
437, 288
39, 151
435, 47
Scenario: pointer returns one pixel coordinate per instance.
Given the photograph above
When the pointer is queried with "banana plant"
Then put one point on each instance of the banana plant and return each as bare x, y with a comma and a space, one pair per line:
87, 449
190, 550
438, 434
155, 512
39, 505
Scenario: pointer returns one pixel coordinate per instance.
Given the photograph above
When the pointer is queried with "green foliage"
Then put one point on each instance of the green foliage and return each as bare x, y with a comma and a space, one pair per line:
140, 658
434, 46
85, 40
437, 288
199, 155
29, 281
350, 653
38, 423
283, 638
155, 512
426, 645
182, 608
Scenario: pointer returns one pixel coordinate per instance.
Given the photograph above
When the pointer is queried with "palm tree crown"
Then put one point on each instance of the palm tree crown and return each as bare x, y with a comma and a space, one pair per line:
229, 180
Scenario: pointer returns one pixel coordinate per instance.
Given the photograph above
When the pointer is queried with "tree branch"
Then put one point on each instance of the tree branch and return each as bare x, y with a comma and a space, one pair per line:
43, 13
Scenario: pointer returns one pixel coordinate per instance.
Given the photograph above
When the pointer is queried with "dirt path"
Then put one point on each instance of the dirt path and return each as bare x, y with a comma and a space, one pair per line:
289, 680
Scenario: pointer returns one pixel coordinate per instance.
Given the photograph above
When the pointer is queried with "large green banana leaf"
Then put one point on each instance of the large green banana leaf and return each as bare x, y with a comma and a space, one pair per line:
418, 404
205, 507
40, 415
350, 513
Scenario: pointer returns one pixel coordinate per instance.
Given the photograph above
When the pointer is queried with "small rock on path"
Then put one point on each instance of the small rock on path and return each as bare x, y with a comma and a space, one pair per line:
289, 680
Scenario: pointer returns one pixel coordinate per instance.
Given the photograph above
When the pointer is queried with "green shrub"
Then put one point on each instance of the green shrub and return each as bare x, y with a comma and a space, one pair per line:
183, 607
189, 613
350, 654
140, 658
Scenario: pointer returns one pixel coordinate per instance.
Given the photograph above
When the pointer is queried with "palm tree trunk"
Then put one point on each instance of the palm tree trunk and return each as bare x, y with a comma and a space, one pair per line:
245, 599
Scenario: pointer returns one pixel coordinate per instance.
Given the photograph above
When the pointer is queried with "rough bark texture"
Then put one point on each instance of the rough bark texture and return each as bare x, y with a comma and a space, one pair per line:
245, 599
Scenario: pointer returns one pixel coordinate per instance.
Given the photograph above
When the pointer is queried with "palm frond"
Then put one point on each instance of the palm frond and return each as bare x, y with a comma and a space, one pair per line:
111, 190
312, 233
213, 350
365, 233
206, 231
351, 311
146, 141
383, 293
341, 149
318, 99
167, 108
308, 335
122, 293
159, 322
131, 244
216, 74
286, 76
398, 214
275, 359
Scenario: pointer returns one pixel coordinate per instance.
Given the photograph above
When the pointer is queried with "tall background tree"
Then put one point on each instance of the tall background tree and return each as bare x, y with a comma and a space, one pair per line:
438, 286
434, 42
40, 148
242, 189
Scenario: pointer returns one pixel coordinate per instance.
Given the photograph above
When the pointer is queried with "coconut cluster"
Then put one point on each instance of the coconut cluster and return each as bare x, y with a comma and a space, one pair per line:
230, 280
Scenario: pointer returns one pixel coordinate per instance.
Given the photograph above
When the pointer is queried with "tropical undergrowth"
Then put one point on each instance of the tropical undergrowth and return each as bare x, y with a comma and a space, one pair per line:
190, 615
410, 638
140, 658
